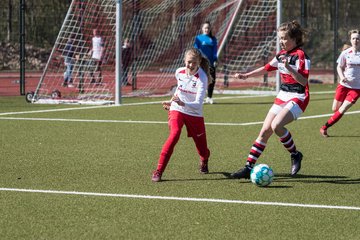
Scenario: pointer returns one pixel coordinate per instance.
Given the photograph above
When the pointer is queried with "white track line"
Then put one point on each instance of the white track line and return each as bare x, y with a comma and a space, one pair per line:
181, 199
158, 122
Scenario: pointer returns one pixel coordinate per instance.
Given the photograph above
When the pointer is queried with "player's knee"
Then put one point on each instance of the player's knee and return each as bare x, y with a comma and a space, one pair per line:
175, 134
276, 126
266, 133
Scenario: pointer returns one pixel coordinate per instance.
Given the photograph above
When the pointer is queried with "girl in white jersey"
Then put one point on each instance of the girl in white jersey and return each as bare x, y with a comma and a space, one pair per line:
348, 89
291, 101
96, 53
186, 108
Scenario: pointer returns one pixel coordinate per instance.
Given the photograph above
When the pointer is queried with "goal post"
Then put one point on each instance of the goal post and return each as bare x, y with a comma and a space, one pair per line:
118, 68
157, 33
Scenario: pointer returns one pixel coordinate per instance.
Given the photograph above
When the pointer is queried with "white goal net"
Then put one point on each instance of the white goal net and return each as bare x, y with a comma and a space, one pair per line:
159, 32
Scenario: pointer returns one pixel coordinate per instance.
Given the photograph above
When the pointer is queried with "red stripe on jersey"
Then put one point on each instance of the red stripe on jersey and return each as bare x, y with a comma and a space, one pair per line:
297, 60
183, 71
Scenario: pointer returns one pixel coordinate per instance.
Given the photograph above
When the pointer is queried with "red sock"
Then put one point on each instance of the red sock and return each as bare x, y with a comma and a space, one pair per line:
333, 119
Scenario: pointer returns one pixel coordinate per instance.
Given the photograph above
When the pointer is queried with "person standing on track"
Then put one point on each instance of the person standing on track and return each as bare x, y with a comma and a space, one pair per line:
186, 108
126, 61
348, 89
291, 101
207, 44
68, 53
96, 53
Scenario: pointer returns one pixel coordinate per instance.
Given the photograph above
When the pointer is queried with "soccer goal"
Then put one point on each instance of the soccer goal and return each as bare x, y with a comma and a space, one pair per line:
82, 66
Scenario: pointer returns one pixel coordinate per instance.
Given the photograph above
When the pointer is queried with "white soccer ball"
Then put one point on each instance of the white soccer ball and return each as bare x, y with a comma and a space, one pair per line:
261, 175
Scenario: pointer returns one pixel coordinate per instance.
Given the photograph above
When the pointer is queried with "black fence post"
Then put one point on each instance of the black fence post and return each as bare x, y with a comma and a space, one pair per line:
22, 47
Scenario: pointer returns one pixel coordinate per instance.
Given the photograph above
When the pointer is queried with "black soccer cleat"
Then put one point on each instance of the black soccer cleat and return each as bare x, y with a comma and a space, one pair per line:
296, 162
242, 173
203, 168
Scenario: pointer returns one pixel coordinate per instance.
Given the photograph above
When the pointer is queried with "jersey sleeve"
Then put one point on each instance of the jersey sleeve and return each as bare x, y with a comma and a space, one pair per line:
177, 80
196, 43
215, 49
302, 64
341, 60
272, 65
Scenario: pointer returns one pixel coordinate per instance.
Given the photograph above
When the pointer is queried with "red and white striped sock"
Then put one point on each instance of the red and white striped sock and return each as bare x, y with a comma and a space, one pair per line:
288, 142
256, 150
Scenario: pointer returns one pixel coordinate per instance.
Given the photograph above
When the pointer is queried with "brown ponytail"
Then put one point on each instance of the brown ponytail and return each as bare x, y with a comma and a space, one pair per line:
294, 31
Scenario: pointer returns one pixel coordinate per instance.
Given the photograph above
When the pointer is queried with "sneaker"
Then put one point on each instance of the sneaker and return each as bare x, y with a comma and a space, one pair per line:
242, 173
209, 100
204, 167
295, 162
156, 177
323, 132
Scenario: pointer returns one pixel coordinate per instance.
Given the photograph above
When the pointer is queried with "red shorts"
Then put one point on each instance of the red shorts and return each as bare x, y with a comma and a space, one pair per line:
195, 125
343, 93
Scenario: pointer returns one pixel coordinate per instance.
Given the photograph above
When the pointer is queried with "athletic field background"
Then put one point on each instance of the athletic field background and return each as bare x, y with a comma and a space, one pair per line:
84, 172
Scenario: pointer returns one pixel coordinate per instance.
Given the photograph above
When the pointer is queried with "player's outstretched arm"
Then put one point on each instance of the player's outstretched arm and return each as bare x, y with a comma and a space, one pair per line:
257, 72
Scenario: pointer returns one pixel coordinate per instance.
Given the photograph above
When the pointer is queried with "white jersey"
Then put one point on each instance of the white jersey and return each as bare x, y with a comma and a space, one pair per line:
191, 90
97, 46
350, 61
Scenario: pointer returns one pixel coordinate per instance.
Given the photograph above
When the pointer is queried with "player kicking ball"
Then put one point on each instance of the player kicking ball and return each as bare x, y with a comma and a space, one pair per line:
186, 108
291, 101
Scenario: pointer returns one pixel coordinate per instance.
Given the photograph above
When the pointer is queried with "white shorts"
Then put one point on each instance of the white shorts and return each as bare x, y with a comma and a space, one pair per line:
293, 107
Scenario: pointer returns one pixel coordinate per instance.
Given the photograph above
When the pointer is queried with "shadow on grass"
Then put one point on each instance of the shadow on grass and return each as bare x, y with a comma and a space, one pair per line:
285, 177
280, 177
200, 179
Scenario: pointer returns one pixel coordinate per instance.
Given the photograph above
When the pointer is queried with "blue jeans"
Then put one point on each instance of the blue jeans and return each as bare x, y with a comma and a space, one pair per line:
69, 63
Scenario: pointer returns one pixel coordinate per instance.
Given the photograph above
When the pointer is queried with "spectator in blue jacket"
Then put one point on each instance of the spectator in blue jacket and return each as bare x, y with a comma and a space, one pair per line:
206, 42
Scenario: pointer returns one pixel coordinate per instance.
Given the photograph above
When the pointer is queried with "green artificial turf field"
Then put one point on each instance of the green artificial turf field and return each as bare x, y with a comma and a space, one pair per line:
79, 172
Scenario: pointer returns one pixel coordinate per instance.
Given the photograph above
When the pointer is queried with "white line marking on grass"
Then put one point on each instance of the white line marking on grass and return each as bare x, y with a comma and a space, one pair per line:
328, 115
105, 106
181, 199
158, 122
81, 120
76, 108
131, 104
52, 110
